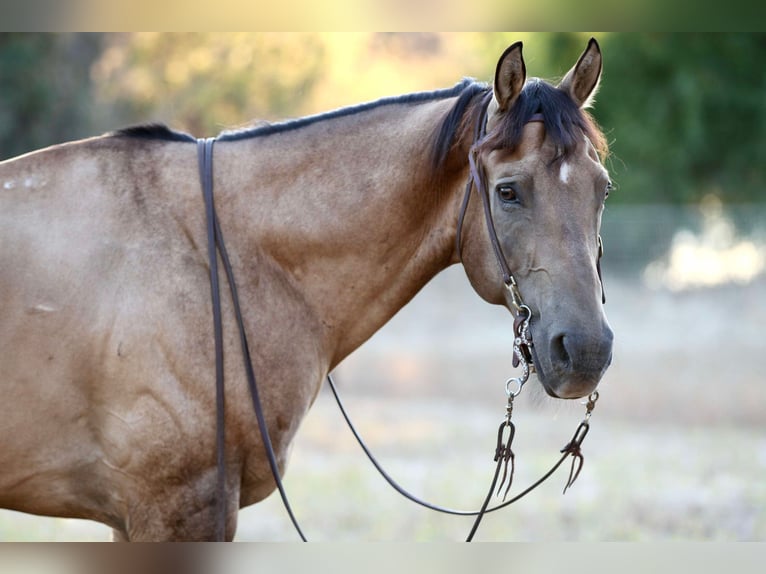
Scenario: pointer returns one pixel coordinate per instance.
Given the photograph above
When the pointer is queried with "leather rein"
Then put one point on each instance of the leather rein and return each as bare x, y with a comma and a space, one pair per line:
216, 244
503, 454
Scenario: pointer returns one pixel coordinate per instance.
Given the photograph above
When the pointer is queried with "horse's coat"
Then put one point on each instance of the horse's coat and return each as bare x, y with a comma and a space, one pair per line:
333, 223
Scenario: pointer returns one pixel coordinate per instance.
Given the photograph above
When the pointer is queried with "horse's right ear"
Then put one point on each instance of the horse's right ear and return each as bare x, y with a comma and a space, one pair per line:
581, 82
510, 75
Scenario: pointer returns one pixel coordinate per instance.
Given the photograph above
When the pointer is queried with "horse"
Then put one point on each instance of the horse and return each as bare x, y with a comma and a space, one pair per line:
333, 223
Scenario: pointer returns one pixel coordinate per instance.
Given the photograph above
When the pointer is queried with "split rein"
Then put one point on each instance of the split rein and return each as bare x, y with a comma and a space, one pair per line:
503, 453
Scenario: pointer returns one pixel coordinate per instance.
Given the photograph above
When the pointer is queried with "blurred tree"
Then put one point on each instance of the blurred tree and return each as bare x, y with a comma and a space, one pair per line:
47, 95
203, 82
687, 115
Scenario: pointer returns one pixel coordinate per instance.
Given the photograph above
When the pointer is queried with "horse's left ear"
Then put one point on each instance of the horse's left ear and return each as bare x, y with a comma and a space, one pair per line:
510, 75
581, 82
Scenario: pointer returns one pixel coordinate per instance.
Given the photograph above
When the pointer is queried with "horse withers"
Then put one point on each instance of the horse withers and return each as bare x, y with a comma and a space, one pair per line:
332, 222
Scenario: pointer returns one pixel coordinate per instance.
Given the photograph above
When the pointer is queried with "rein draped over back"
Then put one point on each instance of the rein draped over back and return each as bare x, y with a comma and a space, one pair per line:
216, 244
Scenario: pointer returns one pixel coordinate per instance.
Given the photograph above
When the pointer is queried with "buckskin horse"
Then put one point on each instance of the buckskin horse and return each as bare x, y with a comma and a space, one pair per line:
333, 222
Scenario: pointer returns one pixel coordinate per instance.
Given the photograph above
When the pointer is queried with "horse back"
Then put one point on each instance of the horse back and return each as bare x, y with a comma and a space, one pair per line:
81, 224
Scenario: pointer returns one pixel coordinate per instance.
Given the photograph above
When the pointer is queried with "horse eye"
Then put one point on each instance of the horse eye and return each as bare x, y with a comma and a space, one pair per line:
507, 193
609, 187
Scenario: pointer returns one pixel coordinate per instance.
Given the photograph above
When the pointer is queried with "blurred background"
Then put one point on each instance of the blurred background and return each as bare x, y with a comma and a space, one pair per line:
677, 447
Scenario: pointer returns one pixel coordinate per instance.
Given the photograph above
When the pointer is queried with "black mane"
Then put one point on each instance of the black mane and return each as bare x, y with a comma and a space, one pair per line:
153, 131
158, 131
565, 122
289, 125
454, 120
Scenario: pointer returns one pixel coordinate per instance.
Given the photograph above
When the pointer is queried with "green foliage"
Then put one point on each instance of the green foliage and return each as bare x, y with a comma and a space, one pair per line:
46, 95
202, 82
686, 114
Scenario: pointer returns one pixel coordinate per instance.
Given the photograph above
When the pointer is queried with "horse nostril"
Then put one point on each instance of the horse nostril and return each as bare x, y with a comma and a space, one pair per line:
559, 351
576, 352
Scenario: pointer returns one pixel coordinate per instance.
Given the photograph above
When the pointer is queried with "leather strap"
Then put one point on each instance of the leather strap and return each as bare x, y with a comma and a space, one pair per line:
477, 180
598, 268
411, 497
205, 159
216, 243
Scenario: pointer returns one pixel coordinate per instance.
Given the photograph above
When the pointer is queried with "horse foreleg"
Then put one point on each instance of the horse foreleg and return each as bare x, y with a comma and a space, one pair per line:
181, 513
119, 535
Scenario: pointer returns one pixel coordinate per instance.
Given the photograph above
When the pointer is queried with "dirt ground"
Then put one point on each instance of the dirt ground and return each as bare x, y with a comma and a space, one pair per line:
676, 450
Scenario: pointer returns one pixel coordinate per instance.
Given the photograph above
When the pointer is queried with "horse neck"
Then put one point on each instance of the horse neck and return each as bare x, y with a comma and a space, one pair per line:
348, 211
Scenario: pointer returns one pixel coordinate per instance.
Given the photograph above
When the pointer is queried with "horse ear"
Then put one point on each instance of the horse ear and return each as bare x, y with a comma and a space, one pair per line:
581, 82
510, 75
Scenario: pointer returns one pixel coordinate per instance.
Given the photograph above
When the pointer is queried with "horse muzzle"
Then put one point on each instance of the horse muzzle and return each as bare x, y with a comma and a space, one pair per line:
571, 362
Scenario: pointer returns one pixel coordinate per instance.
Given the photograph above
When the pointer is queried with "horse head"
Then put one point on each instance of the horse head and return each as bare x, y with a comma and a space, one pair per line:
537, 164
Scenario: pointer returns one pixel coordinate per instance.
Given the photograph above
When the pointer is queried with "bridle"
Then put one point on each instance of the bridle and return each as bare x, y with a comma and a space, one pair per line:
477, 181
503, 454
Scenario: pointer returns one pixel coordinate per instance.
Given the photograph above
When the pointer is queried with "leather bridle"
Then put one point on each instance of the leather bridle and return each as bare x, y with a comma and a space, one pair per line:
477, 181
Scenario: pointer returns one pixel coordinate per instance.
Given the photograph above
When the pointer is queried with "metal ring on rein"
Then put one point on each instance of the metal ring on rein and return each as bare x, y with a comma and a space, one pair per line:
520, 338
504, 456
519, 384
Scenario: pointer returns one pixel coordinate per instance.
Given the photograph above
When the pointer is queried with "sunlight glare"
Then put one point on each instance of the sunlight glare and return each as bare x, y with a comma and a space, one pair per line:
715, 256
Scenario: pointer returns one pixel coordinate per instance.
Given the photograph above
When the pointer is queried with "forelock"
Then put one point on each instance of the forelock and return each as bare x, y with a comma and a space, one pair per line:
565, 122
